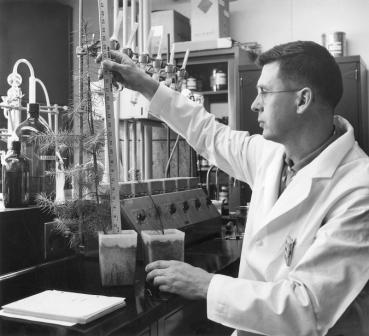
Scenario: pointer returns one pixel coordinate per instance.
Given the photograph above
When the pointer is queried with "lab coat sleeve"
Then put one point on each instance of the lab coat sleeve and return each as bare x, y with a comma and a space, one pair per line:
223, 147
316, 292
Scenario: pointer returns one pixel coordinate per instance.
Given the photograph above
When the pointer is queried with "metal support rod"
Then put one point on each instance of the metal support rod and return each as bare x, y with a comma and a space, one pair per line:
178, 152
125, 23
140, 27
133, 21
125, 156
140, 127
148, 129
146, 24
80, 64
115, 11
148, 152
117, 97
168, 149
116, 116
134, 149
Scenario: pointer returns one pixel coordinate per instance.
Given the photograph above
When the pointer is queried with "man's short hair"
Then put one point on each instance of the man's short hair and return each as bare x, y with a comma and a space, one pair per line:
308, 63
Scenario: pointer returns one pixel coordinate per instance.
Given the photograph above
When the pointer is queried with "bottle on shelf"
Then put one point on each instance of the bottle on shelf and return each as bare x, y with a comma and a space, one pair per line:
223, 194
212, 80
40, 161
199, 85
204, 164
220, 80
15, 177
223, 197
192, 83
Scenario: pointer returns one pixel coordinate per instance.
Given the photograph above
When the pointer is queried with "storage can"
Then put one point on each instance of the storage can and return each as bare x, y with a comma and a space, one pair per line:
335, 42
191, 83
220, 80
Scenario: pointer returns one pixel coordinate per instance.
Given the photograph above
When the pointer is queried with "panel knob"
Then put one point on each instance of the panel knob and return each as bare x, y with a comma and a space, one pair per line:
172, 209
141, 216
197, 203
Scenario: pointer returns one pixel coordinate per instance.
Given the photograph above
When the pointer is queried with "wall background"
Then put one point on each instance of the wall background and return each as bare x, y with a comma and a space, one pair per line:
268, 22
271, 22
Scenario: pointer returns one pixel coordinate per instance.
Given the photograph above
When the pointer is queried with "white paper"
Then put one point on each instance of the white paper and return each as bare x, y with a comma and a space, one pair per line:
36, 319
65, 306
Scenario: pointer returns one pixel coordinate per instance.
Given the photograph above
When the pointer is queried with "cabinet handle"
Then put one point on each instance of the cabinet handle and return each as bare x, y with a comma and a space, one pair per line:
241, 81
352, 74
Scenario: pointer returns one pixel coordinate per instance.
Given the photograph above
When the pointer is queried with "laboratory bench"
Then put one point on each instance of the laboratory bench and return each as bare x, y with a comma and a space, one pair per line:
144, 314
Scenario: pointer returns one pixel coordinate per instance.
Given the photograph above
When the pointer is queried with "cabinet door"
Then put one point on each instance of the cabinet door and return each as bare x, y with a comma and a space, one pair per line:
348, 107
248, 92
191, 320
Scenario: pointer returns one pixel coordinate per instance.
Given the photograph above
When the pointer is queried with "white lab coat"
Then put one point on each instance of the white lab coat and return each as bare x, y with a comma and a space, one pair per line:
325, 208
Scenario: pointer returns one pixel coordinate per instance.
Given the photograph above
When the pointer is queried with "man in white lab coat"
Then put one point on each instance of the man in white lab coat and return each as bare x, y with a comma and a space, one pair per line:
305, 257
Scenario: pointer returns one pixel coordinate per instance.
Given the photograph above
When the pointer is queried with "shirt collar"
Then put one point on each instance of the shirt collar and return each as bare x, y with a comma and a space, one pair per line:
295, 167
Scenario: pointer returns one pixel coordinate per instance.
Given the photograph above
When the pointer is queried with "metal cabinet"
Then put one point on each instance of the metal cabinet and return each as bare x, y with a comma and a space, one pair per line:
200, 65
353, 105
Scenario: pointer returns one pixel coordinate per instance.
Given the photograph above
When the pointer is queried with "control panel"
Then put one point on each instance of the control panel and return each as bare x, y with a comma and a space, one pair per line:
186, 210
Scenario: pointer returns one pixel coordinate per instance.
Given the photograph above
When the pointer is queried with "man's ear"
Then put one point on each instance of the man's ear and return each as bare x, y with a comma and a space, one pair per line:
304, 99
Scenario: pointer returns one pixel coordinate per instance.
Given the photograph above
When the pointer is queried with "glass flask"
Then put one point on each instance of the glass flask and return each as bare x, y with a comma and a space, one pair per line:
15, 177
40, 161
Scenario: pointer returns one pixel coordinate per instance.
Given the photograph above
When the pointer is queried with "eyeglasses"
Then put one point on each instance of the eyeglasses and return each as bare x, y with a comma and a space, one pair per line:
263, 93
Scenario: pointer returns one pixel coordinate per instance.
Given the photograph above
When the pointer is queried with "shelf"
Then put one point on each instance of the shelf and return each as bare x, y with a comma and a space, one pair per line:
212, 93
205, 169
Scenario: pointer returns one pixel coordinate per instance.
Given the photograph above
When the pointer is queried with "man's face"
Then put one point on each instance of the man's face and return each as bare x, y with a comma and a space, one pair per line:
276, 105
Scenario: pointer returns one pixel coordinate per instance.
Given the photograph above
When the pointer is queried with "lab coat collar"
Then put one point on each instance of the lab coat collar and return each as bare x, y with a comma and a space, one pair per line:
323, 166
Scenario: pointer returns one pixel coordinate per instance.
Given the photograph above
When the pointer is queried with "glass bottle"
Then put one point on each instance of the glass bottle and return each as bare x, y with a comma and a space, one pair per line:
220, 80
212, 80
15, 177
223, 197
40, 162
223, 194
192, 83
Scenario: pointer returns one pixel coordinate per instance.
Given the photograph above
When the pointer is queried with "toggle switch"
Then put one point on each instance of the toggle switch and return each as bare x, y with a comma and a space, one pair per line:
197, 203
185, 206
172, 209
141, 216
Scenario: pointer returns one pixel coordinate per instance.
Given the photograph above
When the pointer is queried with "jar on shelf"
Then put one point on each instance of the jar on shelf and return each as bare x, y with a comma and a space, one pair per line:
204, 163
184, 84
223, 194
212, 80
220, 80
223, 197
192, 83
199, 84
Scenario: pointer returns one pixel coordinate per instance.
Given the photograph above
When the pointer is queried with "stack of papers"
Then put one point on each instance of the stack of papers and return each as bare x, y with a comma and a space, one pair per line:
65, 308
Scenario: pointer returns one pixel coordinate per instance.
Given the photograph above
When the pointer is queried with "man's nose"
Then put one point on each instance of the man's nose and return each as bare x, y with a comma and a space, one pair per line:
256, 105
